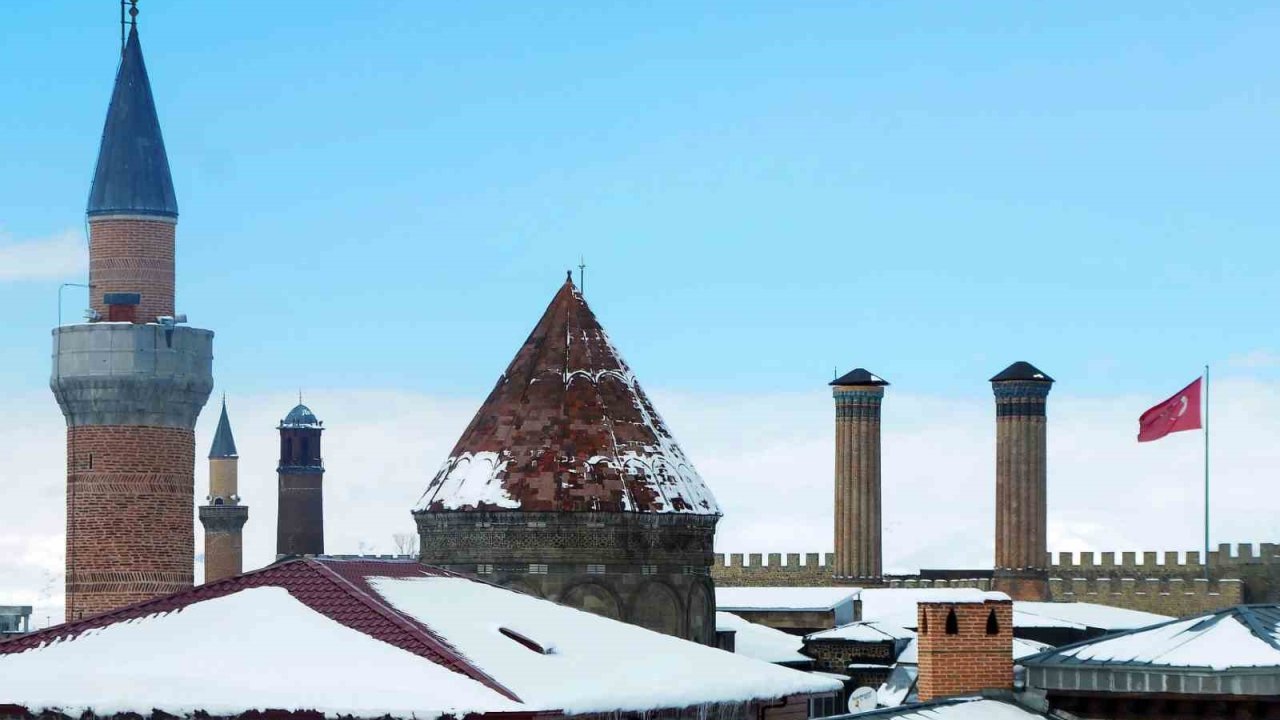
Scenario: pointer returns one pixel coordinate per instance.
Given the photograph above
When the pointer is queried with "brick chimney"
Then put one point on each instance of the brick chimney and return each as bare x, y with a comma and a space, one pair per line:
965, 647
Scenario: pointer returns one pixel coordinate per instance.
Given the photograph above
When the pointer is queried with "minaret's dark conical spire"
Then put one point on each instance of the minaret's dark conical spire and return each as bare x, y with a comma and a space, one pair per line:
132, 176
224, 445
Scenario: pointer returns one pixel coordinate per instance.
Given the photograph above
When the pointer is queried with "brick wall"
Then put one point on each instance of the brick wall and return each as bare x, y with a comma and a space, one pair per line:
130, 534
128, 254
223, 555
970, 659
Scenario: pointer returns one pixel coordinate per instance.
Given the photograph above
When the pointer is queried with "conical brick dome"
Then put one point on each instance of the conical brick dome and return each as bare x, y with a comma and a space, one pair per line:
567, 428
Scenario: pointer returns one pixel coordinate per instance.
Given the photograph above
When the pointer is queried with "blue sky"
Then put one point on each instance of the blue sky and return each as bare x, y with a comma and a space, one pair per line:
385, 195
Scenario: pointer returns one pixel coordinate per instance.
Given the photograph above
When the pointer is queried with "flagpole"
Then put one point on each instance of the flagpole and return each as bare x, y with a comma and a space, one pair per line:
1206, 472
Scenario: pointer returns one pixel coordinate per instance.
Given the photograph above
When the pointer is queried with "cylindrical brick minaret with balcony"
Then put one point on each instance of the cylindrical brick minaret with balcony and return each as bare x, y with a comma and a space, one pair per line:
130, 390
1021, 562
858, 395
300, 522
224, 517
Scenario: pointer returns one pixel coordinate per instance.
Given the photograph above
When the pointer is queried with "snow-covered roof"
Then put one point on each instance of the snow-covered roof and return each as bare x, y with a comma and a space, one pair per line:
1080, 615
897, 606
371, 639
568, 428
761, 642
784, 598
910, 654
964, 708
1245, 636
864, 631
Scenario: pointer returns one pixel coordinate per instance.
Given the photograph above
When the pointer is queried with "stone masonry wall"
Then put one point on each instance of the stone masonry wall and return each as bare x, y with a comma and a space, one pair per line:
121, 480
1167, 588
129, 254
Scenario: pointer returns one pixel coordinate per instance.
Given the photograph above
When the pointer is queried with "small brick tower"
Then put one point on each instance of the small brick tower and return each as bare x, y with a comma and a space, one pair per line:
224, 517
130, 390
1021, 482
858, 395
300, 523
964, 647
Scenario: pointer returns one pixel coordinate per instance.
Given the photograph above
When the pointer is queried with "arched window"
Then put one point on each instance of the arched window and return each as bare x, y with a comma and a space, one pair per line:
993, 625
306, 452
924, 623
953, 626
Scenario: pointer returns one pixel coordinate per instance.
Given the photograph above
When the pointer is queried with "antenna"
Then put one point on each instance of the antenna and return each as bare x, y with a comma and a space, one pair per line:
582, 275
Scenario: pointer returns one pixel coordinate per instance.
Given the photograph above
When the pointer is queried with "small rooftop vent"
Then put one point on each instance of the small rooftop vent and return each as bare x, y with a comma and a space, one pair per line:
528, 642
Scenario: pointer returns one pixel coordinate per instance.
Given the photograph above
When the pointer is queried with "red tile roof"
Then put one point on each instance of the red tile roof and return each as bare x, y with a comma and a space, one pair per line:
568, 428
335, 588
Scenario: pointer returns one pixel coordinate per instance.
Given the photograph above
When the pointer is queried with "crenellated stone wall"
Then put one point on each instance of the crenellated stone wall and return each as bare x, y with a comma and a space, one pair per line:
1168, 583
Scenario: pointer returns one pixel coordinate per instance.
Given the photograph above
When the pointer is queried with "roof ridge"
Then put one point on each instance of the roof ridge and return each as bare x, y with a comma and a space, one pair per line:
1250, 621
460, 663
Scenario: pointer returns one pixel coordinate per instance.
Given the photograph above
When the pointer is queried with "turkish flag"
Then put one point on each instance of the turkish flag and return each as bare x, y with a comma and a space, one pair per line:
1178, 413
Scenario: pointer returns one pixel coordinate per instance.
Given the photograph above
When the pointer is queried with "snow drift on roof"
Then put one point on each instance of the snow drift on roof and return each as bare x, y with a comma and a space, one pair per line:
163, 661
568, 428
897, 606
783, 598
1240, 637
1081, 615
762, 642
599, 665
864, 631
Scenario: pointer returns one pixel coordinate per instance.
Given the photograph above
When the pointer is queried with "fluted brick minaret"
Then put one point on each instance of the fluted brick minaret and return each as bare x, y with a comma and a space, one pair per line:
300, 522
1021, 481
130, 390
857, 502
224, 517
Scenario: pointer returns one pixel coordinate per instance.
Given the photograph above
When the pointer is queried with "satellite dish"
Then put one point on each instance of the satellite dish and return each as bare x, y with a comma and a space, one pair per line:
862, 700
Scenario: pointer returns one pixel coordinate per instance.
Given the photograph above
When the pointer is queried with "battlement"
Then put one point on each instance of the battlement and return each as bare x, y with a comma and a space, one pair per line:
1168, 583
1162, 564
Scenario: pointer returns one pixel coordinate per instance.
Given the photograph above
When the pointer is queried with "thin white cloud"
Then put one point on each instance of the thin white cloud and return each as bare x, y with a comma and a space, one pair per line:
1255, 360
61, 256
767, 458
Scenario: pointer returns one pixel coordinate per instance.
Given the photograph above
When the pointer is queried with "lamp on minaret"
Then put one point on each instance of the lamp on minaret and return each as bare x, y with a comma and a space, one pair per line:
224, 517
858, 395
300, 521
132, 389
1021, 562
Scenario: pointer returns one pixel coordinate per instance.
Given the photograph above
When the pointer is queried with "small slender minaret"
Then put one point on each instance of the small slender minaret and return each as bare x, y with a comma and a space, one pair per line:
1021, 561
130, 388
858, 395
300, 522
224, 517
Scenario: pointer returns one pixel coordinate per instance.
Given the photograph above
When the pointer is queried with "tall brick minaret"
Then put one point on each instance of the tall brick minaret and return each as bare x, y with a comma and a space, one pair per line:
857, 503
1021, 482
130, 390
224, 517
300, 522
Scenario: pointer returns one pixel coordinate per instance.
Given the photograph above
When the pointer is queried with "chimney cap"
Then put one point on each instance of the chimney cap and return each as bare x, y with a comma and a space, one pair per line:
1024, 371
860, 377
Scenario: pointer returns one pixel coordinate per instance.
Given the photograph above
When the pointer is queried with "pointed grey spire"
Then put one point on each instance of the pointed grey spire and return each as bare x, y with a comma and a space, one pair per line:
224, 445
132, 176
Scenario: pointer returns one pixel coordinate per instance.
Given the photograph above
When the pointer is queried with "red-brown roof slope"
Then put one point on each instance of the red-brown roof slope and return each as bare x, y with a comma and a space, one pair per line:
567, 428
337, 589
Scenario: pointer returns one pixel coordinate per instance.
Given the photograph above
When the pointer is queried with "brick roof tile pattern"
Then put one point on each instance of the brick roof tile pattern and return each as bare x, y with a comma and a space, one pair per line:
337, 589
567, 428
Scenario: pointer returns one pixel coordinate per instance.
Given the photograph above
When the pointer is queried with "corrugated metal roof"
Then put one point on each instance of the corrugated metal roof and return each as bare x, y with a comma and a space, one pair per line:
132, 176
1244, 636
